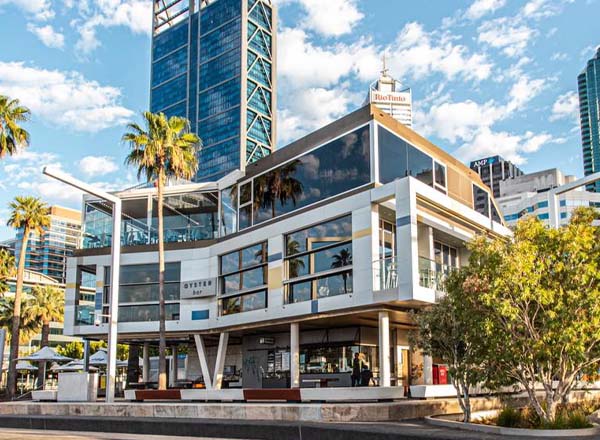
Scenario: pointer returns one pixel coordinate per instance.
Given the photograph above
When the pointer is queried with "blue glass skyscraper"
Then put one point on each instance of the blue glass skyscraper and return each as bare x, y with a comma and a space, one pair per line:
589, 108
213, 62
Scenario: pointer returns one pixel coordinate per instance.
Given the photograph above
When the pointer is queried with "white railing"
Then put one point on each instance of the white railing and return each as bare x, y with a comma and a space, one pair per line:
385, 274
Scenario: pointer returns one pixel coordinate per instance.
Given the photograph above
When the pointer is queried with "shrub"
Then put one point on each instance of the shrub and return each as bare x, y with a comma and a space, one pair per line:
510, 417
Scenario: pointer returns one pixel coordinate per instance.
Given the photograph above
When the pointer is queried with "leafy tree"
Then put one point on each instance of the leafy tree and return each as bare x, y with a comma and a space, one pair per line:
540, 298
46, 305
12, 135
28, 327
74, 350
30, 215
7, 269
451, 331
163, 149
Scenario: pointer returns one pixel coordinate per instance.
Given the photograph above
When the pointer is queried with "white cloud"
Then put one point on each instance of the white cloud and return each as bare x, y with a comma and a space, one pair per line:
331, 18
523, 91
419, 53
47, 35
64, 98
39, 9
566, 107
506, 34
93, 14
313, 108
559, 56
97, 165
479, 8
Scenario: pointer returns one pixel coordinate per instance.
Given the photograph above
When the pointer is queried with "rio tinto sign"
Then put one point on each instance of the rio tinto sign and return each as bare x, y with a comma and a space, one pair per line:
390, 98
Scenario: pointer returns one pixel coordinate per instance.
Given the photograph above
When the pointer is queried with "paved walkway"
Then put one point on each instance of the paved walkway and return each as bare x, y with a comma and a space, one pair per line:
24, 434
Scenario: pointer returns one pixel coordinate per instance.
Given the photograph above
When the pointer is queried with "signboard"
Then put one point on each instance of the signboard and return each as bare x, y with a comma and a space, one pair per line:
390, 97
484, 162
198, 288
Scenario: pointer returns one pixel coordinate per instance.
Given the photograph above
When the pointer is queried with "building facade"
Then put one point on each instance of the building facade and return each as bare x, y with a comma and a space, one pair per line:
279, 277
213, 62
527, 195
588, 83
47, 253
494, 170
390, 96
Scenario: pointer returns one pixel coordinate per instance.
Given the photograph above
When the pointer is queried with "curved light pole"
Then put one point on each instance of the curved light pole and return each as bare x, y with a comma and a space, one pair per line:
553, 203
113, 312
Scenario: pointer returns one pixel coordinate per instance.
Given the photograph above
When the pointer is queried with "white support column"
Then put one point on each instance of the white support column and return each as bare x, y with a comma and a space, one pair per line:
201, 349
427, 370
384, 350
220, 363
295, 355
146, 362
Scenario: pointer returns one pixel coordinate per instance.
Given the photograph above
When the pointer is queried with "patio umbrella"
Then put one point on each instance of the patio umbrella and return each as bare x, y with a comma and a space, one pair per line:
45, 354
72, 366
100, 359
25, 366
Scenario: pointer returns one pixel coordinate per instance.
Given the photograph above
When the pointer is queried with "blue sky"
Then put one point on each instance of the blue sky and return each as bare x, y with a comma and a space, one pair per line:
488, 77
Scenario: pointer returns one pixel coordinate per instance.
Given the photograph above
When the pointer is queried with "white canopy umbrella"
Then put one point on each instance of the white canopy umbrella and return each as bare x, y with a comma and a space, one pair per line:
72, 366
46, 354
100, 359
26, 366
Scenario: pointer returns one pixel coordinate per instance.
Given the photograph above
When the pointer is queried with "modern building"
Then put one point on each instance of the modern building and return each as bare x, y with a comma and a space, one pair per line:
527, 195
588, 83
494, 170
278, 277
390, 96
47, 253
213, 62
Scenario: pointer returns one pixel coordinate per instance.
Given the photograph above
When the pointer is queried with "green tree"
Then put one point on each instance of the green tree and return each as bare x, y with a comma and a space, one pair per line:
46, 305
29, 215
7, 269
451, 331
540, 295
164, 149
28, 327
12, 135
74, 350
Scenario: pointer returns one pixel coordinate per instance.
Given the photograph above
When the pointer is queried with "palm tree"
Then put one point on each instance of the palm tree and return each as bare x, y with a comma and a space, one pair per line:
28, 327
278, 185
46, 305
7, 269
163, 149
31, 215
12, 136
343, 259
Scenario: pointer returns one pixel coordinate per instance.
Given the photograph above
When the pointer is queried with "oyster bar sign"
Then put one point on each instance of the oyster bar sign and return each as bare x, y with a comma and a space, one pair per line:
198, 288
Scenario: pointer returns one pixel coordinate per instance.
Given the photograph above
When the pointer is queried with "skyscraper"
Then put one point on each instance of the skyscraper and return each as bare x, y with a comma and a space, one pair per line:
213, 62
47, 253
494, 170
589, 109
391, 97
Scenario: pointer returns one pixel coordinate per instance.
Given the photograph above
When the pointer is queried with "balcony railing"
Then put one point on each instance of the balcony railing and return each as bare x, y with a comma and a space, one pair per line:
433, 275
385, 274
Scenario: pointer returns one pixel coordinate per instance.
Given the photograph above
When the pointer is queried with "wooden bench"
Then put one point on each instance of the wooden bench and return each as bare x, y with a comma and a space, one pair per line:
280, 394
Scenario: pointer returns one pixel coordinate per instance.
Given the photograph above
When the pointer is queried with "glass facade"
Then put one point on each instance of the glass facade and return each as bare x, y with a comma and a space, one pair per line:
138, 292
243, 280
319, 261
337, 167
589, 109
197, 73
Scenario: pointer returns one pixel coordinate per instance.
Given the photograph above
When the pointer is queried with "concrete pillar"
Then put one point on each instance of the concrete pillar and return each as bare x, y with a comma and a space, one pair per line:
146, 362
427, 370
384, 350
295, 355
201, 349
220, 363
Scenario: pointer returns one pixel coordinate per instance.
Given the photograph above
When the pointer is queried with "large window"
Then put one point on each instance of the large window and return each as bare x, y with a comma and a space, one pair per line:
337, 167
319, 261
138, 292
243, 280
398, 159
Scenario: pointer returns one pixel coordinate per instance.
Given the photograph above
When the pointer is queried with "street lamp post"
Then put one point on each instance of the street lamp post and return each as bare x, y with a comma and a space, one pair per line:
114, 273
553, 202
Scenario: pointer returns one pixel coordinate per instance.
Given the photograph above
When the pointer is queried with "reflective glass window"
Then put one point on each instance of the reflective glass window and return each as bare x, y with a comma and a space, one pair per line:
332, 169
334, 231
482, 201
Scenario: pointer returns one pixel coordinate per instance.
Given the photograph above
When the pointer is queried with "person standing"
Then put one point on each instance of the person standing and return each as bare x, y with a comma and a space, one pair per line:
356, 369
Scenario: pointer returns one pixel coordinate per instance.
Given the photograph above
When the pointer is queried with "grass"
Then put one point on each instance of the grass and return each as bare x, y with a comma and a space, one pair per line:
571, 416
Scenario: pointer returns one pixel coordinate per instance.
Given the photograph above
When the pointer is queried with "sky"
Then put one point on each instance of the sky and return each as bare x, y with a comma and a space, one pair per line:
488, 77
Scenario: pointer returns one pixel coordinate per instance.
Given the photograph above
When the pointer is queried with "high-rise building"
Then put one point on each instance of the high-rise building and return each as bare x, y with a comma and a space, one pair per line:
390, 96
47, 253
213, 62
494, 170
588, 83
527, 195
